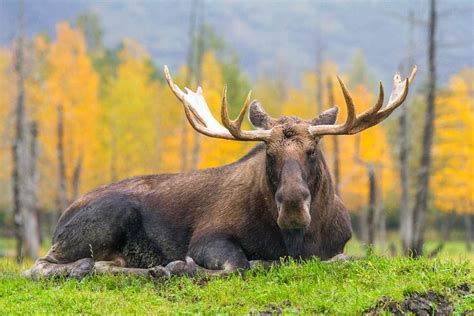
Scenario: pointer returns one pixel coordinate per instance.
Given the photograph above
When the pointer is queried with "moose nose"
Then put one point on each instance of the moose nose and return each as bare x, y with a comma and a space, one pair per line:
293, 208
293, 196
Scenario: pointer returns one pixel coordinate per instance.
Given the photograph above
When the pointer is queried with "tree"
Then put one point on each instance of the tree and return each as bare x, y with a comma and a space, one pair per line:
24, 160
72, 84
422, 190
453, 150
406, 227
131, 115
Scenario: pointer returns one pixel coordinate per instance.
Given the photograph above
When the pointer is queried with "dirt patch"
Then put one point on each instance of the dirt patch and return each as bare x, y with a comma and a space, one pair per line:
273, 309
427, 303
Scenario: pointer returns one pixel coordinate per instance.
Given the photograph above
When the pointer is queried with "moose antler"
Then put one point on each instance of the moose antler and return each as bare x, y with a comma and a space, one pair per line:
355, 124
201, 119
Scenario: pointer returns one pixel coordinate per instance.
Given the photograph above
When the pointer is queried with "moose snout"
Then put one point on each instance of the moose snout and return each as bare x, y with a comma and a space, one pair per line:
293, 207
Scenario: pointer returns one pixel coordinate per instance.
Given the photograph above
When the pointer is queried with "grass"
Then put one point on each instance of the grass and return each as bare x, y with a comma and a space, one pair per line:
309, 287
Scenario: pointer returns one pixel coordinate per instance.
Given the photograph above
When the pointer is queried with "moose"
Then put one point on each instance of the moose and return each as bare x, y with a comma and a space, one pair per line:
277, 201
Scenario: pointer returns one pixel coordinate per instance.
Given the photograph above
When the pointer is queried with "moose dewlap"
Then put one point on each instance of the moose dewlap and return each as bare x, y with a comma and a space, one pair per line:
276, 201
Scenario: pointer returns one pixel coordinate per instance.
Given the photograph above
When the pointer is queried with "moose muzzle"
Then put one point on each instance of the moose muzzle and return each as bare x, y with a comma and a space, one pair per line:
293, 198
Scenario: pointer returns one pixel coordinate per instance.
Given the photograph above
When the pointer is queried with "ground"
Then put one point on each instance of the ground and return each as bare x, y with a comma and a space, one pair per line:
372, 285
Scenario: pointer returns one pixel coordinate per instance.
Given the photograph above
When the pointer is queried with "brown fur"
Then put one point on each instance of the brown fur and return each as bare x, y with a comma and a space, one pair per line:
276, 201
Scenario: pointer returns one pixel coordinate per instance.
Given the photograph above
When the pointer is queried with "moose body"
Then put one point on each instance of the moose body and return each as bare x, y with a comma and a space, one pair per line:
276, 201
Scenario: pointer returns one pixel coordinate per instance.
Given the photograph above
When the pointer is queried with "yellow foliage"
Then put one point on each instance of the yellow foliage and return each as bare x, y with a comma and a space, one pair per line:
72, 84
453, 150
216, 152
373, 148
131, 115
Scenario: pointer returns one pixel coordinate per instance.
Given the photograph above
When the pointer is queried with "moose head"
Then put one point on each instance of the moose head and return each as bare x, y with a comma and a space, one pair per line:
293, 155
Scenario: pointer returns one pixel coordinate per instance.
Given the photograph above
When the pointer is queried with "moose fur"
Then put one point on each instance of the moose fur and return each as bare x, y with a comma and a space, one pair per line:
215, 220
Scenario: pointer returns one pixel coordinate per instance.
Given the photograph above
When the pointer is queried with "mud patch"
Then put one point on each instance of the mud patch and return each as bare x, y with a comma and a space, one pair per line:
427, 303
274, 309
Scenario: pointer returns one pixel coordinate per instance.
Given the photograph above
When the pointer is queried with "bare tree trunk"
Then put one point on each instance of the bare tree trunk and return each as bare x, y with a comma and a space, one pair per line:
371, 209
189, 77
382, 224
335, 141
24, 174
319, 64
76, 178
446, 223
19, 147
200, 53
422, 190
406, 216
62, 181
469, 233
381, 218
370, 218
113, 152
30, 219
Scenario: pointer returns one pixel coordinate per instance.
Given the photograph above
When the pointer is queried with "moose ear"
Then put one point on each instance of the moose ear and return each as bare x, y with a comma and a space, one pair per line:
259, 117
328, 117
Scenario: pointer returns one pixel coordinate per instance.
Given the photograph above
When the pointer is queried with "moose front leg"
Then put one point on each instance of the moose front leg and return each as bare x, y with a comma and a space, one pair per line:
215, 254
117, 267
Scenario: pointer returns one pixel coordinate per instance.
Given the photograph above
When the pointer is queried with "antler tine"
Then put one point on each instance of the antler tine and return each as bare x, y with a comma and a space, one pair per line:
234, 126
176, 90
392, 106
377, 106
412, 75
349, 105
372, 116
340, 128
201, 119
198, 125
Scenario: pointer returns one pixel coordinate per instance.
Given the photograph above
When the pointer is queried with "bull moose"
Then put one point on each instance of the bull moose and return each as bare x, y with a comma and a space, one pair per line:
276, 201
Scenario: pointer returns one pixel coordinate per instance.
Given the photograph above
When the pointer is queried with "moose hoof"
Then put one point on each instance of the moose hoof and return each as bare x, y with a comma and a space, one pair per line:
81, 268
340, 258
159, 272
265, 265
176, 267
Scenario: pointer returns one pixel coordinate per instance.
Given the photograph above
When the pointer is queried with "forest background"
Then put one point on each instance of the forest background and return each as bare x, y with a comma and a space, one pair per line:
83, 103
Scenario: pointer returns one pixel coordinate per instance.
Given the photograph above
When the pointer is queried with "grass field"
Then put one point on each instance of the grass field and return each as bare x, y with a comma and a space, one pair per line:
311, 287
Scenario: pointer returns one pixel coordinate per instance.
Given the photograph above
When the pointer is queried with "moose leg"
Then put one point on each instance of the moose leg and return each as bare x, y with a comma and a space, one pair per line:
48, 266
340, 258
118, 266
265, 264
211, 255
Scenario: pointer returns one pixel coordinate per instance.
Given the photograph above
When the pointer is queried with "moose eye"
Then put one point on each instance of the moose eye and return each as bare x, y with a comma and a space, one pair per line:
311, 152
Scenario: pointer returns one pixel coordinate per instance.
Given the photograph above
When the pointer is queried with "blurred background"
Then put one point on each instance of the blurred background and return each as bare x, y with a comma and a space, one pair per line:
83, 103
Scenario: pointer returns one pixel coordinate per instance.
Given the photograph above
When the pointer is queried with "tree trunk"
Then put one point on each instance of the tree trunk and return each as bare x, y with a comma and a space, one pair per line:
189, 78
30, 219
381, 218
371, 209
113, 154
469, 233
382, 223
76, 178
62, 182
200, 53
446, 223
370, 217
335, 141
422, 190
406, 216
20, 147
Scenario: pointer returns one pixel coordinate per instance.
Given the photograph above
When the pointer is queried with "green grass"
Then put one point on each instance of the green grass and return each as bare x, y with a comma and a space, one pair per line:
310, 287
453, 249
